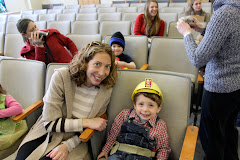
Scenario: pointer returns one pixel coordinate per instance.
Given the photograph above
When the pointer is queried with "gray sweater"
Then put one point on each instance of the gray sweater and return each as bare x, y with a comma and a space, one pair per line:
219, 50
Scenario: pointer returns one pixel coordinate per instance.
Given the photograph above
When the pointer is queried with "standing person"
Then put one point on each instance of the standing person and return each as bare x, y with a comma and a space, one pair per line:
54, 44
76, 97
149, 23
139, 128
195, 8
219, 51
117, 42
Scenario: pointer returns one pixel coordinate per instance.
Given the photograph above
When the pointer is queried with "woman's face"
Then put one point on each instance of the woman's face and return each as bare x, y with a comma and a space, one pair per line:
98, 69
153, 9
31, 28
197, 5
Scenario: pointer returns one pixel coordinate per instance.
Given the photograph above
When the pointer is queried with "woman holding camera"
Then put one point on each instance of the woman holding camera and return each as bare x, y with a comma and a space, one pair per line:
47, 47
195, 8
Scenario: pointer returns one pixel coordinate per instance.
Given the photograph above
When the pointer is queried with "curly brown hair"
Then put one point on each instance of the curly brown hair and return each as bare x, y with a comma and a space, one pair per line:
78, 65
152, 27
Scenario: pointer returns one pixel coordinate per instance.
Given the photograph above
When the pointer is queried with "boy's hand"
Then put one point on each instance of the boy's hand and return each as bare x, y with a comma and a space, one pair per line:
59, 153
102, 154
121, 64
95, 123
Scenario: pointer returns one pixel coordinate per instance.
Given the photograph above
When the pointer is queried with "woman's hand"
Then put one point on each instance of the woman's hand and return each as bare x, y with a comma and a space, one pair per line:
35, 40
183, 27
59, 153
102, 154
196, 25
95, 123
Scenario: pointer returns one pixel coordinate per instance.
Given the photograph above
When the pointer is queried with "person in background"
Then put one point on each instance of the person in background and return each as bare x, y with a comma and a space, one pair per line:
195, 8
149, 23
219, 51
117, 43
139, 128
8, 105
10, 131
52, 49
75, 99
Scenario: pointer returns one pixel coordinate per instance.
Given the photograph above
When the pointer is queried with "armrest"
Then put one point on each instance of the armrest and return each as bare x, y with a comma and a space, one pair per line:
189, 144
87, 133
200, 79
27, 111
144, 67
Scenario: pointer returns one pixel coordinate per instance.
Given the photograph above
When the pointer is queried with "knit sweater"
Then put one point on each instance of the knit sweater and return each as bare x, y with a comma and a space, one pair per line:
219, 48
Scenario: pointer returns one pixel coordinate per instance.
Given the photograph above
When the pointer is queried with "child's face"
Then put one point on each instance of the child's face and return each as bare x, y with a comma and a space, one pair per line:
98, 69
117, 49
146, 108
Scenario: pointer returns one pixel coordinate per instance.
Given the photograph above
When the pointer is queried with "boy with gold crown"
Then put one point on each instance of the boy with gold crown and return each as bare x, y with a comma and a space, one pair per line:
139, 133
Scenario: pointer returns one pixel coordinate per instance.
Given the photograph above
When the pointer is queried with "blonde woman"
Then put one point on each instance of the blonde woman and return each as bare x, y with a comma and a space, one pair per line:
195, 8
149, 23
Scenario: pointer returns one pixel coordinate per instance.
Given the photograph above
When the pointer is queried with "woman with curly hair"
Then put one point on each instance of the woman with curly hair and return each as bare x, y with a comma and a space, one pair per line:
149, 23
75, 99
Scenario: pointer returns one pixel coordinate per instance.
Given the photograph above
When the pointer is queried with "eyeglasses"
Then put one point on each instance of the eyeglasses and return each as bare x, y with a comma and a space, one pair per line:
94, 43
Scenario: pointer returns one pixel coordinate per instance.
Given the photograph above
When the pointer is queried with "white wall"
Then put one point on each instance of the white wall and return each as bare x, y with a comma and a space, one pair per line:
35, 4
16, 5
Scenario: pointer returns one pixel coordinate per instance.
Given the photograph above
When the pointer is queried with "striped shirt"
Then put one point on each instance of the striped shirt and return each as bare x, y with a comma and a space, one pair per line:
82, 105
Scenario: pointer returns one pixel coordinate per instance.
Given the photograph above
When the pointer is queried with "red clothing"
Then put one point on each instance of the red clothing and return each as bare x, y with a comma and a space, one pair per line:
139, 26
158, 133
13, 108
56, 42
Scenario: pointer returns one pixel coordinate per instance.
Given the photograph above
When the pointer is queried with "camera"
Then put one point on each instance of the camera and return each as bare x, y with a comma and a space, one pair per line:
44, 34
188, 19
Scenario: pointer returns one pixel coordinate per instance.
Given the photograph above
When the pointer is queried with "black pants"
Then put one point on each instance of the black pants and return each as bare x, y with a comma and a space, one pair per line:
29, 147
218, 134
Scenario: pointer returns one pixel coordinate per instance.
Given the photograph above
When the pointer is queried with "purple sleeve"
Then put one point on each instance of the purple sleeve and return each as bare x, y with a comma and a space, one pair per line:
13, 108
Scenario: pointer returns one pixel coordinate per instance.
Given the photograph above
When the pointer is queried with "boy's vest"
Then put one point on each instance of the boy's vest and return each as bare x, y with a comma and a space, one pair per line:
135, 134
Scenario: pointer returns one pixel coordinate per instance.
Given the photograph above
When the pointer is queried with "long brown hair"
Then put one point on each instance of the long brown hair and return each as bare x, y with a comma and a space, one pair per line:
190, 9
151, 26
78, 65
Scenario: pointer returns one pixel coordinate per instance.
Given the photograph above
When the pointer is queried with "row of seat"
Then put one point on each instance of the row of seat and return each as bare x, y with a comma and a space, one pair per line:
174, 4
53, 14
92, 30
176, 89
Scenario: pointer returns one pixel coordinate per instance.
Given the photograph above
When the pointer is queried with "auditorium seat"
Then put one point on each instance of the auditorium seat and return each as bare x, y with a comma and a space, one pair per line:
116, 16
87, 17
85, 27
81, 40
64, 27
110, 27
